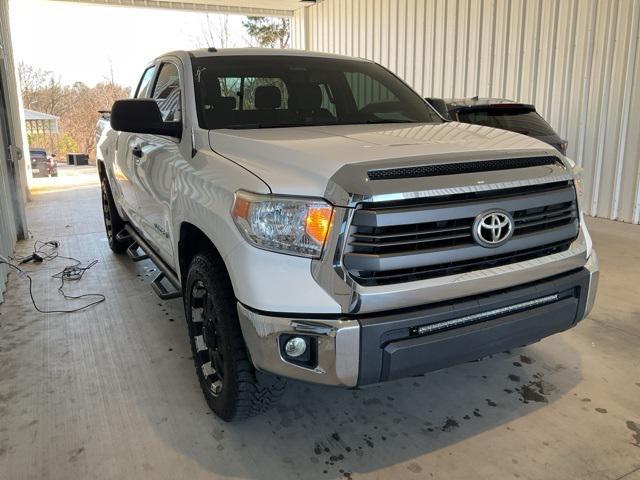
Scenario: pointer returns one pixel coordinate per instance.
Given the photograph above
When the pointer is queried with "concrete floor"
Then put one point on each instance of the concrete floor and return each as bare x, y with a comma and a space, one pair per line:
111, 392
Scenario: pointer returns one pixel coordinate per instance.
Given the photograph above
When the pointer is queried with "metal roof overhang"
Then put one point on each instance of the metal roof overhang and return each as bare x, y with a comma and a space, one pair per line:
271, 8
40, 123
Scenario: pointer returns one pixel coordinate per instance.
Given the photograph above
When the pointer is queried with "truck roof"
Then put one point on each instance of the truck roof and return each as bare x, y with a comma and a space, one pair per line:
210, 52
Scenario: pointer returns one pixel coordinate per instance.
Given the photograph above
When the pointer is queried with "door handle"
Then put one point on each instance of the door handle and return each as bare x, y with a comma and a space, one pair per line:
137, 151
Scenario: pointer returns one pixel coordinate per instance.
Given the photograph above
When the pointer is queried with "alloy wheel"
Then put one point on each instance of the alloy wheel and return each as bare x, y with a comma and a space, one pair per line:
106, 210
209, 358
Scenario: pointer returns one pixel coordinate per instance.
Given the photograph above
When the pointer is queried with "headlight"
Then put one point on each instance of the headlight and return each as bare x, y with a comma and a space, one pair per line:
296, 226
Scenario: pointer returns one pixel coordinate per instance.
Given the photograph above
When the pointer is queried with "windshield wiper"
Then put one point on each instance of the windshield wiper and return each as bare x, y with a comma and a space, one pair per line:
242, 126
275, 125
373, 122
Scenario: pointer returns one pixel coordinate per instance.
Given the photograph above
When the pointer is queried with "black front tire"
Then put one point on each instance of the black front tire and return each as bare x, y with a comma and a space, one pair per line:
113, 222
232, 387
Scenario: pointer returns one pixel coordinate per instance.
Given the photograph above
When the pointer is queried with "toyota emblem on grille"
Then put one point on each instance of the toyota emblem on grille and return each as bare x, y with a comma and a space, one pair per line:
493, 229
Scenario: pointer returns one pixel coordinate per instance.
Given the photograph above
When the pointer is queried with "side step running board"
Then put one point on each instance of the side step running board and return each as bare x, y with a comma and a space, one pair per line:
162, 291
133, 253
166, 273
123, 236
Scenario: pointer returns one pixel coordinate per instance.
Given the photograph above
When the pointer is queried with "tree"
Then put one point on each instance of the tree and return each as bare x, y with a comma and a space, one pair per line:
32, 80
63, 145
214, 32
268, 31
42, 90
80, 121
77, 106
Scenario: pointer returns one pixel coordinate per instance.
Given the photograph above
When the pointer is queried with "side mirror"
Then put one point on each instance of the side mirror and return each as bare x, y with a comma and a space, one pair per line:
439, 106
142, 115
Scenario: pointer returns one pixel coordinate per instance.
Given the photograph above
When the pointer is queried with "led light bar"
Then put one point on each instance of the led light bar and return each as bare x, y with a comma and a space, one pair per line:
477, 317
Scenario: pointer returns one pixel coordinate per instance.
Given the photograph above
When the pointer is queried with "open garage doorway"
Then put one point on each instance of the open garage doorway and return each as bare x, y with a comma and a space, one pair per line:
70, 67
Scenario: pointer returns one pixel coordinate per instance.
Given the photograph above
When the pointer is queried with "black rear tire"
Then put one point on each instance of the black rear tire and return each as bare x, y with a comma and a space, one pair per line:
232, 387
113, 222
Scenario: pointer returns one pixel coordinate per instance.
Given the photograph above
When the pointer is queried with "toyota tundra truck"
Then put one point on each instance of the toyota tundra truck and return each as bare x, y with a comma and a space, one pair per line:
323, 223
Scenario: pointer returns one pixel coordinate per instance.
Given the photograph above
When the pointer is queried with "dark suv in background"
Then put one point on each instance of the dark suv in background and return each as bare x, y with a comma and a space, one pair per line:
500, 113
43, 165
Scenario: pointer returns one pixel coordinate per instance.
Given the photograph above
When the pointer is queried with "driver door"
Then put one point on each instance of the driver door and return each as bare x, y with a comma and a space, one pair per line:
155, 158
125, 160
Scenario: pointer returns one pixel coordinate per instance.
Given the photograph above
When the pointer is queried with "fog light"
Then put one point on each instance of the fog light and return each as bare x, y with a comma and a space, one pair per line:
295, 347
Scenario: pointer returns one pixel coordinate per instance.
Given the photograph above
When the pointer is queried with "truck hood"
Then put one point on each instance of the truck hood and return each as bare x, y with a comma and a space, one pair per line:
301, 160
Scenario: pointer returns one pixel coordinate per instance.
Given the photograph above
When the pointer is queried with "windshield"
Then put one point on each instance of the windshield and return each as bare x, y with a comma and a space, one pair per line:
288, 91
519, 120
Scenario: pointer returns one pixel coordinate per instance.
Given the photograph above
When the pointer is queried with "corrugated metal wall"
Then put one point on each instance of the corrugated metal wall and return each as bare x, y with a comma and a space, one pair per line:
578, 61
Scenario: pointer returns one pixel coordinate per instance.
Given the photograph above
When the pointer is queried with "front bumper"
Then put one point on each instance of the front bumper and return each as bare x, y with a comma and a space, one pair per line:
352, 351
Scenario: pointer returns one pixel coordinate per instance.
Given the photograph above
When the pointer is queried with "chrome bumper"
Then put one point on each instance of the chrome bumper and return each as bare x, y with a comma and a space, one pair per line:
338, 347
338, 340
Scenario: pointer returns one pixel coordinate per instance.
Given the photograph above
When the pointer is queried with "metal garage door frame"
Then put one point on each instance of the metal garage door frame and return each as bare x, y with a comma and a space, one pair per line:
8, 233
8, 170
13, 223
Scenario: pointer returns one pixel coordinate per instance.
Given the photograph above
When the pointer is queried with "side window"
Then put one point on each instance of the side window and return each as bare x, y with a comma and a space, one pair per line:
252, 83
328, 101
368, 91
167, 93
245, 88
230, 87
145, 83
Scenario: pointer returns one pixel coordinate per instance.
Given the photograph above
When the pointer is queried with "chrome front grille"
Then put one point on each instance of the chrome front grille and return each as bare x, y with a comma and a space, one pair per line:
413, 240
543, 218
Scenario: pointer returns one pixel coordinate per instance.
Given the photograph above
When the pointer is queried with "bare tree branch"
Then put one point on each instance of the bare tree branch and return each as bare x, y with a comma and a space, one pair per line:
215, 32
76, 105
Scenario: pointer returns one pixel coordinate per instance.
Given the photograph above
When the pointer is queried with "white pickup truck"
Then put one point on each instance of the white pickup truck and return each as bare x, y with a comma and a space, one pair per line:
323, 223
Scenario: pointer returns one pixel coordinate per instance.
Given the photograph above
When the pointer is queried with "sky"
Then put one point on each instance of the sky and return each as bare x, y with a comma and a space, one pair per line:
84, 42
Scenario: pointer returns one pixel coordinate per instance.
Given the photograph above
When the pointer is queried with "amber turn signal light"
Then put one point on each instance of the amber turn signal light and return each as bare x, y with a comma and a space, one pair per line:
318, 223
